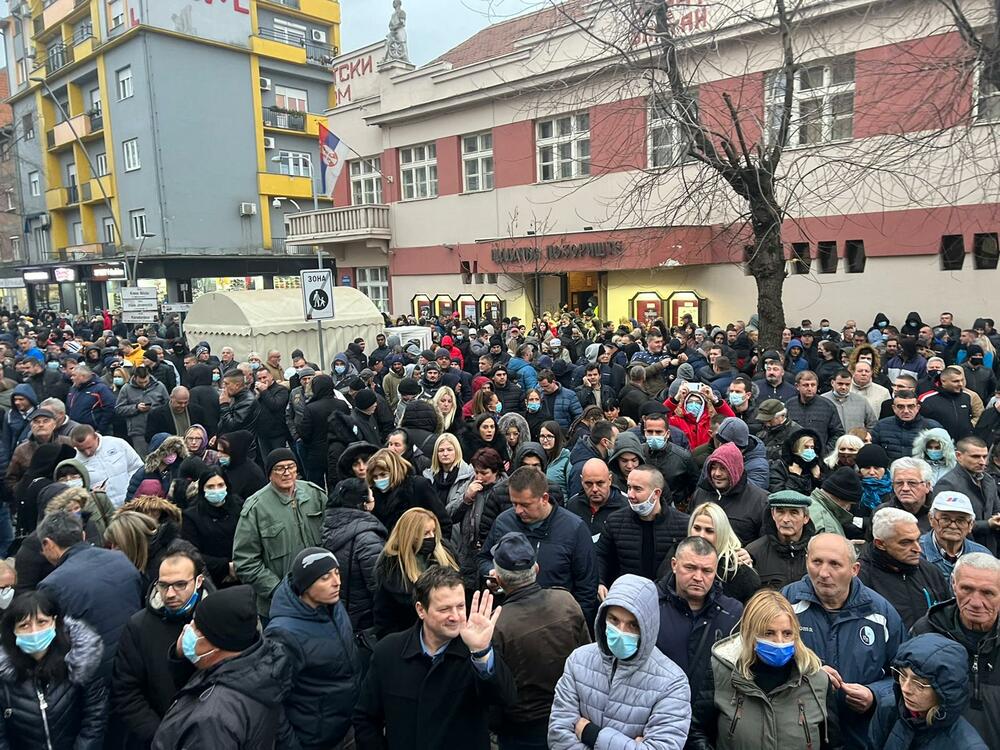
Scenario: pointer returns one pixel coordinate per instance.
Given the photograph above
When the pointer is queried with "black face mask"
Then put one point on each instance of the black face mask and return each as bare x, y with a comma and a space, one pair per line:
427, 547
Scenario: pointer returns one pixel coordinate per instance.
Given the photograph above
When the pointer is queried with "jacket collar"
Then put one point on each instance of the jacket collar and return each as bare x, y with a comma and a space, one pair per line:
413, 649
523, 593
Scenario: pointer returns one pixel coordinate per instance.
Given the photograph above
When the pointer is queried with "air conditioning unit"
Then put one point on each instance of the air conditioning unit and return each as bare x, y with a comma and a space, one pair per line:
265, 84
44, 220
319, 36
248, 209
268, 143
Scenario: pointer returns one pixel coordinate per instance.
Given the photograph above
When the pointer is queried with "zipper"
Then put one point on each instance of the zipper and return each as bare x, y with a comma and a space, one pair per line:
42, 705
804, 723
737, 715
977, 700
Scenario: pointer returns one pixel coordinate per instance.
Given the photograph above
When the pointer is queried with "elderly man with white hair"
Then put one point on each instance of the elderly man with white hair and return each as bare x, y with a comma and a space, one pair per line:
64, 425
952, 517
971, 619
912, 479
892, 565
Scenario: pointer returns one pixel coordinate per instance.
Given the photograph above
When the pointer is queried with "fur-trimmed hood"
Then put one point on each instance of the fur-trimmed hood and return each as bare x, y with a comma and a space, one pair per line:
159, 449
941, 436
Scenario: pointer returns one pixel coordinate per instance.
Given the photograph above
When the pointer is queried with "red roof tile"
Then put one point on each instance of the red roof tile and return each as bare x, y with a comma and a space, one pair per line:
499, 39
6, 113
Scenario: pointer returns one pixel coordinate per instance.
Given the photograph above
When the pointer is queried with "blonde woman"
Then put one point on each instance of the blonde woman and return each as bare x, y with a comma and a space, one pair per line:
845, 451
396, 489
130, 532
449, 474
735, 570
446, 405
764, 677
414, 545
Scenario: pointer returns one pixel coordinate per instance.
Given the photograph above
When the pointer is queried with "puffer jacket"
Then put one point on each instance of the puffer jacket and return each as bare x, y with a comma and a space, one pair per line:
911, 589
356, 538
16, 426
646, 695
75, 711
731, 712
953, 411
412, 492
563, 406
131, 395
161, 445
327, 682
620, 548
236, 703
744, 503
897, 437
941, 663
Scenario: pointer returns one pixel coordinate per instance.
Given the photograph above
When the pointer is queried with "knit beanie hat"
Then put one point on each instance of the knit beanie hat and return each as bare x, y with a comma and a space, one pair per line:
409, 387
228, 618
309, 566
844, 484
365, 399
872, 455
276, 457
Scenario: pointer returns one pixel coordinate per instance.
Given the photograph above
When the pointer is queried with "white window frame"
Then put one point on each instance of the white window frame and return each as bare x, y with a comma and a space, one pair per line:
35, 184
818, 87
562, 147
295, 163
292, 99
15, 246
366, 181
41, 237
109, 229
290, 31
418, 171
28, 124
77, 232
96, 105
10, 199
130, 155
137, 220
477, 162
101, 164
666, 145
124, 78
984, 98
116, 14
374, 283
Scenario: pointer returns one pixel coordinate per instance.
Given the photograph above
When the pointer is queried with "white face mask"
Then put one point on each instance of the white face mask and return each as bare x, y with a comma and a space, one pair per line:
646, 507
6, 596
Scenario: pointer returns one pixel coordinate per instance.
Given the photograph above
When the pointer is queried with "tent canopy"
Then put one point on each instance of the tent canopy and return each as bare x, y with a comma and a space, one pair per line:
274, 319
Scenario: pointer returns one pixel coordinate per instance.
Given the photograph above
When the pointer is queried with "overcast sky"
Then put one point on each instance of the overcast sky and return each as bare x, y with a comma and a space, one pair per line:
433, 26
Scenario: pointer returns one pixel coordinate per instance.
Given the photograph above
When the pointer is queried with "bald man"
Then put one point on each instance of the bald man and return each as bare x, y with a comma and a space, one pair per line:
176, 416
599, 499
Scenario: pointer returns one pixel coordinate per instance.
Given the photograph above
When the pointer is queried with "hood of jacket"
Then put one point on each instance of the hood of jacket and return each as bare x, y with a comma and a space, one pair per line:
322, 386
349, 456
262, 672
161, 445
627, 442
285, 603
344, 524
944, 664
880, 318
529, 449
23, 389
82, 661
637, 595
78, 467
200, 374
734, 430
238, 443
419, 415
786, 447
791, 345
940, 435
517, 420
729, 457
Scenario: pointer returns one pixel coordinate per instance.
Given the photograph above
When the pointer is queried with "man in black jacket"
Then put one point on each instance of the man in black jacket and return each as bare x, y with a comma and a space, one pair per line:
971, 479
145, 681
949, 404
593, 391
234, 699
176, 416
431, 686
510, 394
812, 412
238, 407
599, 498
779, 555
272, 398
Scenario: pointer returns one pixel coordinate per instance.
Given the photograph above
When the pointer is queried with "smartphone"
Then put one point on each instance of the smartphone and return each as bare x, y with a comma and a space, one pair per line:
493, 583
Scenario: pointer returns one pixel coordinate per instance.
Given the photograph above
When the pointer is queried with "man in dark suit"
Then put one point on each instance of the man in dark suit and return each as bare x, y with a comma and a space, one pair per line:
176, 416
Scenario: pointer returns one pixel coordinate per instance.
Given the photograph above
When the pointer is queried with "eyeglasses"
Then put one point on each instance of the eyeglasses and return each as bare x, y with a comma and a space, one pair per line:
908, 483
546, 437
957, 522
164, 586
284, 469
901, 678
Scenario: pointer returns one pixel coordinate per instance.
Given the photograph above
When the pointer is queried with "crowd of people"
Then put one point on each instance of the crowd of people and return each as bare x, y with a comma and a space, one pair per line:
567, 534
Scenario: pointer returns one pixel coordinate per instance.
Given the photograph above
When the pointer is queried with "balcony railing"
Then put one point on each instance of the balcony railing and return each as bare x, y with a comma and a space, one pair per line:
339, 224
85, 251
73, 194
82, 34
278, 244
56, 57
279, 118
96, 121
287, 3
317, 53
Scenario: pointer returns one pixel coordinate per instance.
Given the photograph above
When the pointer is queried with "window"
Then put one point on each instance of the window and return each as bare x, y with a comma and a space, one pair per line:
109, 230
854, 255
366, 181
77, 233
101, 162
477, 162
10, 199
116, 14
418, 171
800, 258
822, 103
96, 105
295, 163
28, 126
137, 219
34, 184
15, 246
130, 150
125, 83
563, 147
952, 252
294, 100
667, 143
826, 254
289, 32
374, 283
985, 251
6, 148
987, 98
40, 236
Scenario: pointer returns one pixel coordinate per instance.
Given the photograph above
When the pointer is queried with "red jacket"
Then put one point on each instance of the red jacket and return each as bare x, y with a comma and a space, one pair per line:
697, 431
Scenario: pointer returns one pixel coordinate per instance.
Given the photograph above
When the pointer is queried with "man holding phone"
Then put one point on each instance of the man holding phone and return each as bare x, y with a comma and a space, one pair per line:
137, 397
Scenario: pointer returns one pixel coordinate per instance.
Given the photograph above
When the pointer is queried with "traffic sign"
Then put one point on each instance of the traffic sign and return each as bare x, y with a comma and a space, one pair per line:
317, 293
138, 316
175, 307
138, 299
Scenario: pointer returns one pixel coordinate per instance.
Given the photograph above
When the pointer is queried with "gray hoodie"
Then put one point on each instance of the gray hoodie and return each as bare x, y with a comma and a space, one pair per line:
648, 696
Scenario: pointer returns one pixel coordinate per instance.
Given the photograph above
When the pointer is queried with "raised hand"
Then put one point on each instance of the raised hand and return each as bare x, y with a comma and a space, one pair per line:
478, 630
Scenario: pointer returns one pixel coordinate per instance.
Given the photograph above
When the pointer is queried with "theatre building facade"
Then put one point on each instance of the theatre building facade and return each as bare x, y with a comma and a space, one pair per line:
519, 172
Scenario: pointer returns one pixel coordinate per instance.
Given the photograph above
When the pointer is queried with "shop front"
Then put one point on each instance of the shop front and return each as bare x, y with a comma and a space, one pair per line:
485, 307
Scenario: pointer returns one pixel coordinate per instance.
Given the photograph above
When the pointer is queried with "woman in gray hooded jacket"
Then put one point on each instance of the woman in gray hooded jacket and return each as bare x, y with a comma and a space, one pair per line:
621, 692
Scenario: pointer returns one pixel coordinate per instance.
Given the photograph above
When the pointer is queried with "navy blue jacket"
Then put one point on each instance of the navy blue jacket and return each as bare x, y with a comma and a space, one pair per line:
563, 406
565, 556
92, 403
327, 683
859, 640
16, 426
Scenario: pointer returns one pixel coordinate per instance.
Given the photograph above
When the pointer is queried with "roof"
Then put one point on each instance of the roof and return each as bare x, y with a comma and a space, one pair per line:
267, 311
6, 113
499, 39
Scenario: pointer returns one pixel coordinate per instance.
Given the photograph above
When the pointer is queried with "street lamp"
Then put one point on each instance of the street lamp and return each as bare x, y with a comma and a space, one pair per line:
312, 186
276, 203
135, 261
86, 153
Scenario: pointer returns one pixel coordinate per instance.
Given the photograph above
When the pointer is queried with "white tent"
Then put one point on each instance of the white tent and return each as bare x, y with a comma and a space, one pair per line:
273, 319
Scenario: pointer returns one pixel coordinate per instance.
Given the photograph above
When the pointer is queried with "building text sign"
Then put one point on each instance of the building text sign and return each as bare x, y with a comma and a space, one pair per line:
559, 251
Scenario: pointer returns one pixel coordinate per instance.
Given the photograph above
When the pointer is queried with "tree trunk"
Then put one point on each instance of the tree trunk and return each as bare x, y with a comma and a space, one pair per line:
767, 264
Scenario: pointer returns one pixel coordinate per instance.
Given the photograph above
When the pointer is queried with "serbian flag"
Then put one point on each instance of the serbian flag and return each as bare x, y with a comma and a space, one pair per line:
332, 158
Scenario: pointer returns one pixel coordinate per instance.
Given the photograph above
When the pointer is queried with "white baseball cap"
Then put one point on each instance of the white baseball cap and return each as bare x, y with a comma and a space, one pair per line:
953, 501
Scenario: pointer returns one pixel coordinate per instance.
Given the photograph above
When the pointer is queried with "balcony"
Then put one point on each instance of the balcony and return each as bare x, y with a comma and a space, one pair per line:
325, 10
56, 58
278, 46
96, 121
287, 3
90, 191
290, 186
63, 133
337, 225
55, 12
280, 118
88, 251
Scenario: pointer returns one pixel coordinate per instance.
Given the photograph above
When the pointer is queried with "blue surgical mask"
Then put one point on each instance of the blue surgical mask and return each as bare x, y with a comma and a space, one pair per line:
339, 369
255, 365
216, 377
189, 642
37, 642
382, 484
216, 497
78, 482
534, 405
935, 454
774, 654
622, 645
223, 460
119, 381
736, 399
694, 408
808, 455
656, 442
184, 608
52, 364
498, 407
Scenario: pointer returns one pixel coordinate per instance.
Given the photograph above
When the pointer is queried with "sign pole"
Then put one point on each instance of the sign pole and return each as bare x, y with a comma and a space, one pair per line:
317, 300
319, 323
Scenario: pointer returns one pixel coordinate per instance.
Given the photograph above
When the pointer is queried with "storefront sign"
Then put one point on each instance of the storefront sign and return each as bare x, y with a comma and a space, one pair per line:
36, 277
17, 283
104, 272
63, 274
563, 251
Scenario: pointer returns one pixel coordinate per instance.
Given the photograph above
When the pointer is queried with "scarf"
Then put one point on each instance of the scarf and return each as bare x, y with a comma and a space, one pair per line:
443, 480
874, 490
